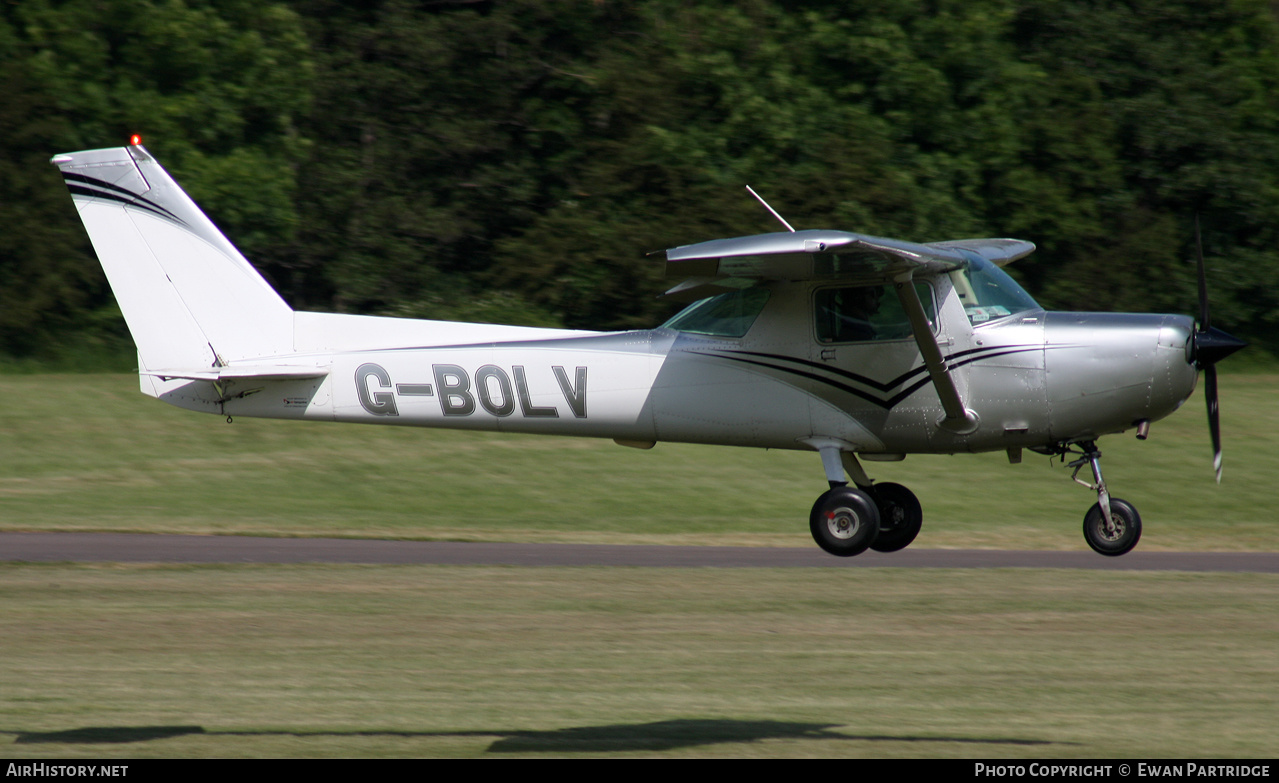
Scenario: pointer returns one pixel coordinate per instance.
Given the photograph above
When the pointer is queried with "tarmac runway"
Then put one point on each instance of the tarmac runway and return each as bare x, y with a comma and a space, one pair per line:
149, 548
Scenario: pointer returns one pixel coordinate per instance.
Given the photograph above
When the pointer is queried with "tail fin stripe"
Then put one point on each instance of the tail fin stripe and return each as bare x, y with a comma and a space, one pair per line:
133, 198
71, 175
126, 201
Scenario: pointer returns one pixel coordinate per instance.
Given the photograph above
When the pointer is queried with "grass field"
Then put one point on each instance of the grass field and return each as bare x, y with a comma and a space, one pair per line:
91, 453
473, 661
355, 661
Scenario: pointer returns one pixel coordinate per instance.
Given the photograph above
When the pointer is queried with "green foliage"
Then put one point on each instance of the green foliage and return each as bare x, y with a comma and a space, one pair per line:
1097, 140
438, 133
216, 87
487, 160
1188, 90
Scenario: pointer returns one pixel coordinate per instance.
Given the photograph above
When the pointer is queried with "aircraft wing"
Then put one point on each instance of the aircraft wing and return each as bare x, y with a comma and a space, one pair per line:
724, 264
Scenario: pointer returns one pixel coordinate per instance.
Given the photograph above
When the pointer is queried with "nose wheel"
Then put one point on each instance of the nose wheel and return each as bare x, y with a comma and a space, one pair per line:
1117, 538
1112, 526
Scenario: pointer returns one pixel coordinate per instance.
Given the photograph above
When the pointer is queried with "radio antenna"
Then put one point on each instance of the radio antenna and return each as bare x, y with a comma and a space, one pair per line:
770, 209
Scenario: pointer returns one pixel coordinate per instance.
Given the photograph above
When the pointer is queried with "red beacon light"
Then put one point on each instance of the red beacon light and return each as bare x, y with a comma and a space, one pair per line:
135, 140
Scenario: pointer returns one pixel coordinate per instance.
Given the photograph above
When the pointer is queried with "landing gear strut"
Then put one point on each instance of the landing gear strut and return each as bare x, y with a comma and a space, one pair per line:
846, 521
1112, 526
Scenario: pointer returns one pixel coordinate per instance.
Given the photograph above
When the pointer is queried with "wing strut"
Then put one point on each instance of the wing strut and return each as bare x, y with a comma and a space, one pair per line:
958, 419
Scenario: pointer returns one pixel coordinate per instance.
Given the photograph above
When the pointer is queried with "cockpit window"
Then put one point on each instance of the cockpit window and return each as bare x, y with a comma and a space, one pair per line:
988, 293
865, 312
726, 315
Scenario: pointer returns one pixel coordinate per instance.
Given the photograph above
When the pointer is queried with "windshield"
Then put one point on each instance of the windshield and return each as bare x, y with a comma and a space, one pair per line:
988, 293
726, 315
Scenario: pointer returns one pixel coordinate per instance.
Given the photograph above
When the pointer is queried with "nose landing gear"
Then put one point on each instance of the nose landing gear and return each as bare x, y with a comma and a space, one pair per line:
1112, 526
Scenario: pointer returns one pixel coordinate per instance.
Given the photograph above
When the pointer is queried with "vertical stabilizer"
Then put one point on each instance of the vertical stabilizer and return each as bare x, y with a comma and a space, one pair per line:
191, 300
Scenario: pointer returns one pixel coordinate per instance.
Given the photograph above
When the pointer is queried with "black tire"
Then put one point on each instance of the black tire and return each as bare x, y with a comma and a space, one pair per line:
900, 517
844, 521
1127, 522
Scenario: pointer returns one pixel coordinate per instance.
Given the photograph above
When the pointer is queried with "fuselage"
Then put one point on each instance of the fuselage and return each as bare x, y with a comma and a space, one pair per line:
1033, 378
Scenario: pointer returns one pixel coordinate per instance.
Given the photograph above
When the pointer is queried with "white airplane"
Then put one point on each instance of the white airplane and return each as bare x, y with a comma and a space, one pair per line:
852, 346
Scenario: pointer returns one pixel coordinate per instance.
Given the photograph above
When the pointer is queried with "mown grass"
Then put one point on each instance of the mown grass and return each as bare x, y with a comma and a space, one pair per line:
363, 661
137, 661
88, 452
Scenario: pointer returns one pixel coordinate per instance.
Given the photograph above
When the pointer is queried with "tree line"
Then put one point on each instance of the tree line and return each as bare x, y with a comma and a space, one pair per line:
515, 161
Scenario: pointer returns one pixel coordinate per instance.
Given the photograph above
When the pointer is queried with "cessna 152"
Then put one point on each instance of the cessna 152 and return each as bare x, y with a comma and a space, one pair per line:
852, 346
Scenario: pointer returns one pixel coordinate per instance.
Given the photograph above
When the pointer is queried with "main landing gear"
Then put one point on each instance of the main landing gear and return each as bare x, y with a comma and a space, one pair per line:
1112, 526
846, 521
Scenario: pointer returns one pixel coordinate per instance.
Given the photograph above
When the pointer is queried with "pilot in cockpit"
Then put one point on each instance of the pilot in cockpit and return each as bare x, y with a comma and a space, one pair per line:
844, 314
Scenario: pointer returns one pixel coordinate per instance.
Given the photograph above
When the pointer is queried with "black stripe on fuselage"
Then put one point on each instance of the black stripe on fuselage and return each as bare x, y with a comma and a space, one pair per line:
883, 387
954, 360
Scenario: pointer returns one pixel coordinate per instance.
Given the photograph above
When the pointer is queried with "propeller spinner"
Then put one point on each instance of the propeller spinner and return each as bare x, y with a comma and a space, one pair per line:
1211, 345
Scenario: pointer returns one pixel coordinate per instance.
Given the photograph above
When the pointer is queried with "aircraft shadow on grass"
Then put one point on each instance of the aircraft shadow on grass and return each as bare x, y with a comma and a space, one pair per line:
658, 735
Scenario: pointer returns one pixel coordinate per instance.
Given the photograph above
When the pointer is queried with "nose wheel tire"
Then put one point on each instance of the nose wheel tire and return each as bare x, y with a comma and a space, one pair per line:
900, 517
844, 521
1124, 536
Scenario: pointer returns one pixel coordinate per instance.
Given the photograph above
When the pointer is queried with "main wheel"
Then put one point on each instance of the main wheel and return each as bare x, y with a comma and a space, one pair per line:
900, 517
844, 521
1127, 528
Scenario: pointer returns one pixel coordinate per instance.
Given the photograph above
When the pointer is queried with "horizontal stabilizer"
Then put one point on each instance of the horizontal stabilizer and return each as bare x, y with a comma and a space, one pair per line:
261, 372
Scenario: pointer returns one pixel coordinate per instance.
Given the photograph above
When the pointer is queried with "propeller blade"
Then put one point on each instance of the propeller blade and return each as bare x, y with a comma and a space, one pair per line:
1204, 324
1214, 417
1210, 346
